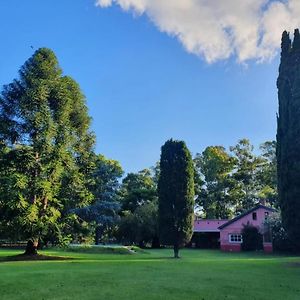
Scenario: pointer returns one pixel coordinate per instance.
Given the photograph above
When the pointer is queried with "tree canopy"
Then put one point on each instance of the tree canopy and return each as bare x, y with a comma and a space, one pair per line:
216, 166
176, 195
288, 138
137, 189
45, 132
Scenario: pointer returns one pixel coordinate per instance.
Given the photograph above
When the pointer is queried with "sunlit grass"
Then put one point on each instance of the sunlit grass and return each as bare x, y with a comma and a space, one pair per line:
199, 274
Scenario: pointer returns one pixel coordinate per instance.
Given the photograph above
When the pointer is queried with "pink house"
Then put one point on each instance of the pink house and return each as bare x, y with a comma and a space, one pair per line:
226, 234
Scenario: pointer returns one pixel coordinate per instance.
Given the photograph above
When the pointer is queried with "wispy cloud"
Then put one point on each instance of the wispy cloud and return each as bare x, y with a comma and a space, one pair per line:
219, 29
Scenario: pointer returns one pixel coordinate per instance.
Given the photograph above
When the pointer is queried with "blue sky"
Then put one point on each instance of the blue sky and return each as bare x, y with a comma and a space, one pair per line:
142, 86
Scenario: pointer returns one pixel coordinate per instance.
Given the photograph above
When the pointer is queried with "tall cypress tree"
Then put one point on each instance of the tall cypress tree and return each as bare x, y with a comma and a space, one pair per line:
176, 195
45, 128
288, 135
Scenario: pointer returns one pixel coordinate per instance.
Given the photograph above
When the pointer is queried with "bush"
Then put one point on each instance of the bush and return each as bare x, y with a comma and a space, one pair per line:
280, 238
139, 227
252, 238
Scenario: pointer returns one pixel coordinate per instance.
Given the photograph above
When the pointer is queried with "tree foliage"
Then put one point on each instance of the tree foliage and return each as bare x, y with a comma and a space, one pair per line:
267, 174
229, 182
103, 213
141, 226
252, 238
288, 138
47, 141
280, 238
106, 175
247, 165
176, 194
216, 166
137, 189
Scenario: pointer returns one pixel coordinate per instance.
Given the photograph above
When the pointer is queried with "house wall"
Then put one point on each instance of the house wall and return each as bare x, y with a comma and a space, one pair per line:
236, 228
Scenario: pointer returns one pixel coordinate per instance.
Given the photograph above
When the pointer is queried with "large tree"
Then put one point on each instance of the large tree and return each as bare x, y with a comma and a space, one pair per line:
288, 135
215, 166
246, 189
106, 177
48, 145
176, 195
137, 189
267, 174
103, 212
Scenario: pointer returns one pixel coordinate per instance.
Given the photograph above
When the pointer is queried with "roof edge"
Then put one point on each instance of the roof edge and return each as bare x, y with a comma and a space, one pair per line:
246, 213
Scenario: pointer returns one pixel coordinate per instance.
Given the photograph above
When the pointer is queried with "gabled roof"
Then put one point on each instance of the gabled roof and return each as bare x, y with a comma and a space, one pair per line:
247, 213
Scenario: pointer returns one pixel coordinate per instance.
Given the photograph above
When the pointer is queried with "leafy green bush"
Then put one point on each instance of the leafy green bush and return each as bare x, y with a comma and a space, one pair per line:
252, 238
280, 238
139, 227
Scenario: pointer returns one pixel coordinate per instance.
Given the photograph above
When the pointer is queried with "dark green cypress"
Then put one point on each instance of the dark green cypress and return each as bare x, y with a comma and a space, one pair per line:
285, 44
296, 41
176, 195
288, 136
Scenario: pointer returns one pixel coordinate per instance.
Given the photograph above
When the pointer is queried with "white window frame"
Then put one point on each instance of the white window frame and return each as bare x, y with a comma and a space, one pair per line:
235, 238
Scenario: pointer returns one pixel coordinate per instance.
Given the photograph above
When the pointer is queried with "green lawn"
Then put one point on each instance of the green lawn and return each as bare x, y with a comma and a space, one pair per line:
199, 274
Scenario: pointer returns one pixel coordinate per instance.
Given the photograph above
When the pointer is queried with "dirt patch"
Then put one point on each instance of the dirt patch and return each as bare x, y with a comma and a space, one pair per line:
23, 257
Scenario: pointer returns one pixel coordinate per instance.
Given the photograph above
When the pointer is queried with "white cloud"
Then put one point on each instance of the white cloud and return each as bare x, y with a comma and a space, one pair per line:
219, 29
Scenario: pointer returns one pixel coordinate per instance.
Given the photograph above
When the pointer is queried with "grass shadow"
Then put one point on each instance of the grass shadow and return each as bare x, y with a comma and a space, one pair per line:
38, 257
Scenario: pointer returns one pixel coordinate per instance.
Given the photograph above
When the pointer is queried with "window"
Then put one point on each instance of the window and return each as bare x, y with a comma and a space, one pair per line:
235, 238
254, 216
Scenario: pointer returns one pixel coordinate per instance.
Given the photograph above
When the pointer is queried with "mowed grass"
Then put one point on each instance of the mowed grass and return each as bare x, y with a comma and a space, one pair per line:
199, 274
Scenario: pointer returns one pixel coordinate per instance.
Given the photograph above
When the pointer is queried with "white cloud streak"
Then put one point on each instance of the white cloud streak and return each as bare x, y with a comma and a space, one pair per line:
219, 29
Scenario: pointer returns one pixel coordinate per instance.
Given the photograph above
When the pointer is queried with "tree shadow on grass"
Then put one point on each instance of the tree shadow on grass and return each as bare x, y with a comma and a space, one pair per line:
293, 264
38, 257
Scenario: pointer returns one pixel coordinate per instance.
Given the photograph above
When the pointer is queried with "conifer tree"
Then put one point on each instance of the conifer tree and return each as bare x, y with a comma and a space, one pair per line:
45, 129
288, 136
176, 195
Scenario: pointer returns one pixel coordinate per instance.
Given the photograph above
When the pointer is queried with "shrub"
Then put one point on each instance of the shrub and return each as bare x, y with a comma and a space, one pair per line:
139, 227
280, 238
252, 238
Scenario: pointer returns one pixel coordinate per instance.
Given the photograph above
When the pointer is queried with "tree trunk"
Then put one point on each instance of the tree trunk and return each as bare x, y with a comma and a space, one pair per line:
97, 236
31, 248
176, 251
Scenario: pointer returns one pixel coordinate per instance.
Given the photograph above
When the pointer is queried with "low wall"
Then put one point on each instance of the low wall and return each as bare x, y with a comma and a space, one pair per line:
231, 247
268, 248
